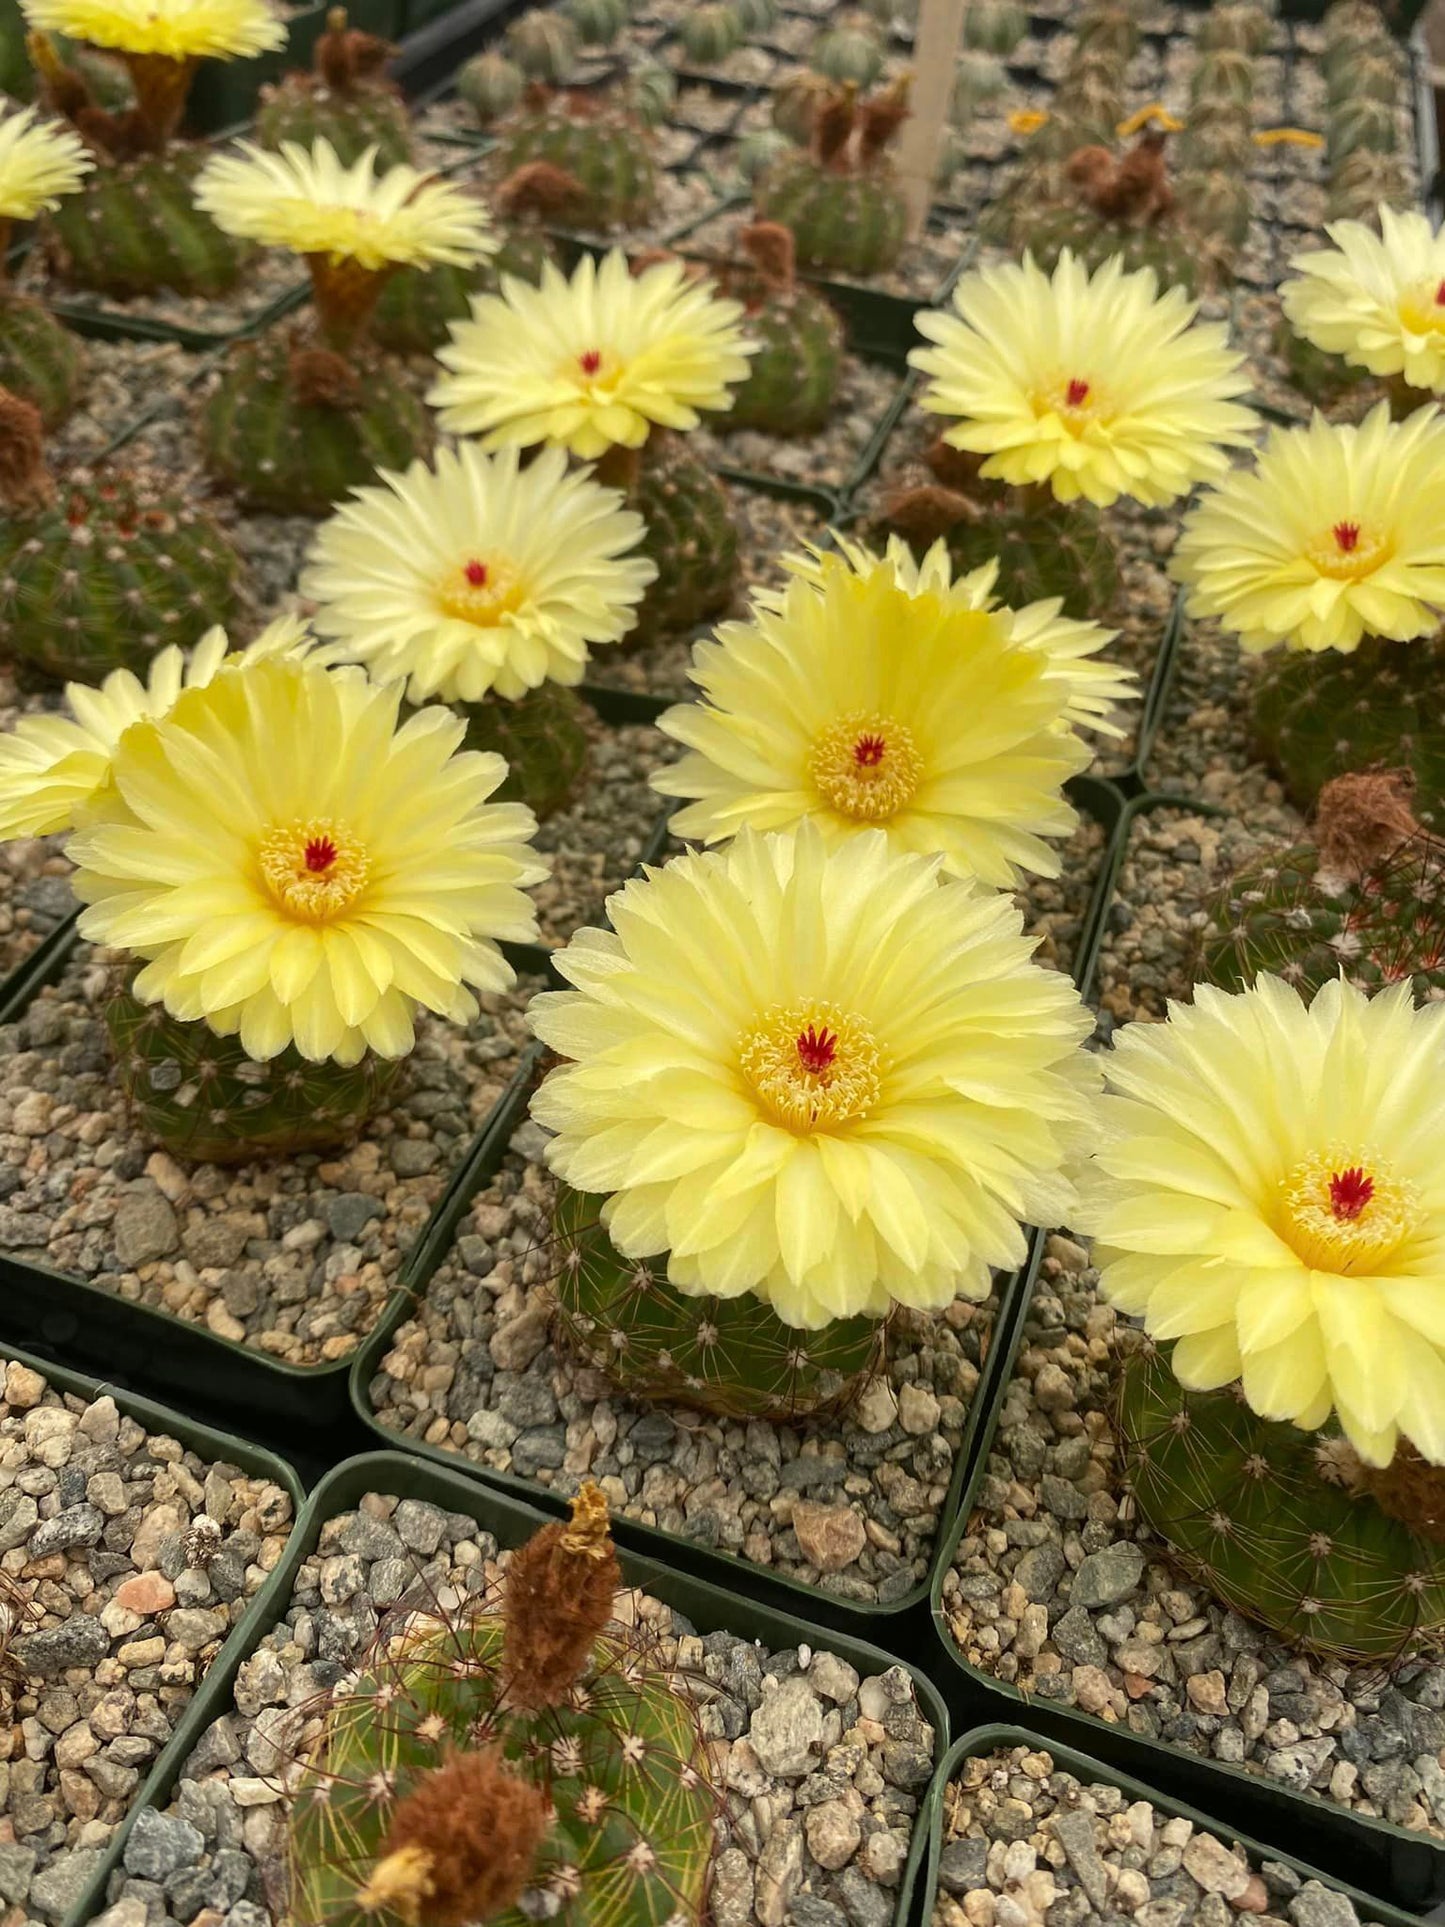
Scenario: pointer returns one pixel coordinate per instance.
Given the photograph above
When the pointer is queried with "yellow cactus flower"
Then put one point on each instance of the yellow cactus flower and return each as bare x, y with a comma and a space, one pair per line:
40, 160
173, 29
1377, 298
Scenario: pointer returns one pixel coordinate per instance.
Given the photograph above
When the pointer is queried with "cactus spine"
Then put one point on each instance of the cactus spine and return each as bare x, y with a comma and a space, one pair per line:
346, 99
840, 199
509, 1760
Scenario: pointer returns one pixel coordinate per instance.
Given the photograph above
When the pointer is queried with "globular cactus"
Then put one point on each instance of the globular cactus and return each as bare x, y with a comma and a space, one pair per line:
1282, 1525
1222, 80
542, 737
977, 77
793, 379
690, 536
1364, 182
1352, 28
730, 1356
292, 426
200, 1096
710, 33
543, 45
1357, 123
1316, 715
513, 1760
795, 103
133, 226
346, 99
1219, 144
491, 85
1374, 76
1365, 895
850, 53
1099, 204
418, 305
40, 361
1108, 29
598, 22
995, 26
100, 572
840, 198
1241, 29
599, 147
755, 153
756, 16
1216, 205
652, 93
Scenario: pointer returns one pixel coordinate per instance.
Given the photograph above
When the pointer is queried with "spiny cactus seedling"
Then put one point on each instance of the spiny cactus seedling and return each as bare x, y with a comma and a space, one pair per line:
756, 16
542, 737
517, 1759
850, 53
133, 226
1222, 82
1109, 30
795, 103
755, 153
100, 571
543, 45
995, 26
345, 99
1242, 29
1317, 715
651, 93
491, 85
1365, 895
201, 1097
840, 198
595, 144
793, 379
977, 77
731, 1356
598, 22
1374, 76
1283, 1525
710, 33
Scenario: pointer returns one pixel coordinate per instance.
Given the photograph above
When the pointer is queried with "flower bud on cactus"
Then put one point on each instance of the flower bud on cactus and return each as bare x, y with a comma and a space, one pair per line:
544, 45
491, 85
848, 53
598, 22
595, 150
793, 379
98, 573
346, 99
840, 199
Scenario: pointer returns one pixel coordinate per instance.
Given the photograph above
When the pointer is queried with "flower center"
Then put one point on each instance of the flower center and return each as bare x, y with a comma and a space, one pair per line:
480, 592
313, 870
865, 766
1076, 394
813, 1065
596, 369
1350, 551
1344, 1213
1074, 399
1422, 308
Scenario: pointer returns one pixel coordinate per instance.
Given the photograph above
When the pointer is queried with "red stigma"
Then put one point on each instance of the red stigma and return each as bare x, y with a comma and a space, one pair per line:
1440, 295
590, 362
1350, 1192
320, 854
817, 1047
868, 751
1077, 393
1346, 534
476, 574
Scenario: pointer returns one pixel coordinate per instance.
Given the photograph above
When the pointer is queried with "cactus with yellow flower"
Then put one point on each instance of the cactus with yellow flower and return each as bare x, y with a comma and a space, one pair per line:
41, 362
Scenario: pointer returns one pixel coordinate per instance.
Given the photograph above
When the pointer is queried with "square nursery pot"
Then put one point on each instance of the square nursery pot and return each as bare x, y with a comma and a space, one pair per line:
985, 1741
1402, 1866
708, 1608
845, 1606
59, 1313
214, 1447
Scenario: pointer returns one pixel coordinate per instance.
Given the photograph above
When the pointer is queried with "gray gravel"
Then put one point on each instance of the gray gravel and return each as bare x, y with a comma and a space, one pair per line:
295, 1257
1025, 1841
822, 1771
597, 842
1058, 1590
271, 273
828, 459
96, 1518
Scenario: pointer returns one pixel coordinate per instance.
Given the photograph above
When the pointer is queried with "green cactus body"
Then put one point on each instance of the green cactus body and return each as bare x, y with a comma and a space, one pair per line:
848, 54
1374, 76
298, 456
977, 78
1287, 916
1044, 549
757, 152
543, 739
1048, 230
842, 223
201, 1097
1216, 204
1384, 703
365, 114
132, 227
622, 1760
544, 45
995, 26
709, 34
756, 16
598, 22
793, 379
604, 151
17, 76
1241, 29
1223, 79
795, 103
112, 570
690, 536
40, 361
418, 305
491, 85
652, 93
1217, 145
1109, 31
1086, 110
1244, 1505
731, 1356
1323, 378
1360, 123
1364, 181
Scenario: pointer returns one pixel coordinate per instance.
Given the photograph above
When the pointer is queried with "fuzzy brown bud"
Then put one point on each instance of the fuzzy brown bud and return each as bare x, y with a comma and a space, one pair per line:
321, 378
461, 1846
557, 1601
924, 513
880, 118
1411, 1490
833, 127
771, 249
24, 482
1362, 819
344, 54
543, 191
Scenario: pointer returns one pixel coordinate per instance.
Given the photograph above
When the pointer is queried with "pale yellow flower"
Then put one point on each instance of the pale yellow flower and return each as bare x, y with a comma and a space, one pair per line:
176, 29
1269, 1194
304, 199
40, 160
594, 361
1099, 386
820, 1075
1337, 532
478, 574
1377, 298
299, 869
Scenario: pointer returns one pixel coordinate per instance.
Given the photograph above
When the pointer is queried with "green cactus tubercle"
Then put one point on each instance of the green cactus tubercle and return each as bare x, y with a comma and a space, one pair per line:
1283, 1525
201, 1097
731, 1356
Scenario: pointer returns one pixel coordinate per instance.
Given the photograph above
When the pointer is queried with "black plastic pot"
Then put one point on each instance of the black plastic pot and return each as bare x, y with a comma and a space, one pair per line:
709, 1608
